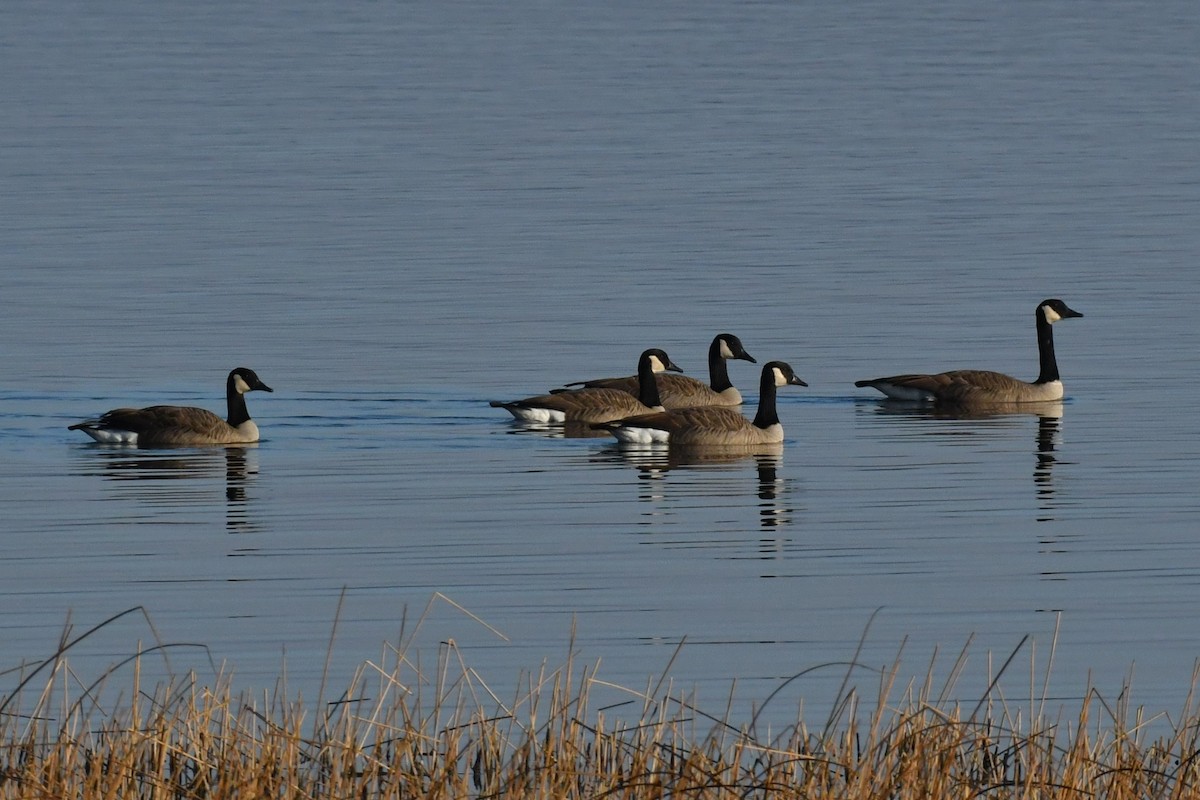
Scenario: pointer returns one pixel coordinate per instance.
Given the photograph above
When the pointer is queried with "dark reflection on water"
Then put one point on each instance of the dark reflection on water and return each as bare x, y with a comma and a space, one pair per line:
556, 430
1049, 434
969, 412
1046, 440
654, 462
663, 458
178, 478
241, 466
772, 513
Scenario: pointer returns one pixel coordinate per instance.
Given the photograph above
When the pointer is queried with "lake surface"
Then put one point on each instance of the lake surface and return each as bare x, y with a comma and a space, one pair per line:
398, 212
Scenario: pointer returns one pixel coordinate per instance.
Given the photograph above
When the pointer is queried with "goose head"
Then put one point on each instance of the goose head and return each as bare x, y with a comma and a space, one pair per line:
782, 374
1053, 309
658, 361
731, 347
245, 380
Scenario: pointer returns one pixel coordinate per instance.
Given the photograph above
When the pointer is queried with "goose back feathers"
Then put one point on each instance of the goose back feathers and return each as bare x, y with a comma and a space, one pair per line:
181, 426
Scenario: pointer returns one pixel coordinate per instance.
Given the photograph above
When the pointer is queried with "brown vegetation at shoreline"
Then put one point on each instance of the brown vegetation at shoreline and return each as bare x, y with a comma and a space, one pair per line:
399, 733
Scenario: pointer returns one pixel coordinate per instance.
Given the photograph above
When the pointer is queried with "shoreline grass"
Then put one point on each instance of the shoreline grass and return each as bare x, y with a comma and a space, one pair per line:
399, 731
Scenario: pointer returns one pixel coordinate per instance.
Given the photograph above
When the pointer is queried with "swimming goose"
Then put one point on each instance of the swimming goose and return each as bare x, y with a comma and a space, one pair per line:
980, 387
166, 426
681, 391
595, 405
712, 425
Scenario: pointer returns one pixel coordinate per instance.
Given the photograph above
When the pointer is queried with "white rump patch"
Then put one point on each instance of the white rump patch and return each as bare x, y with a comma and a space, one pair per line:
537, 414
111, 435
631, 435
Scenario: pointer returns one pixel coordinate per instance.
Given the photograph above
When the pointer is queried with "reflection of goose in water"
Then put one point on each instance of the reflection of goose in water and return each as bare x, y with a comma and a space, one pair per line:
181, 426
595, 405
240, 464
770, 487
1048, 433
130, 464
551, 430
1050, 410
178, 478
654, 462
681, 391
1049, 424
972, 386
662, 458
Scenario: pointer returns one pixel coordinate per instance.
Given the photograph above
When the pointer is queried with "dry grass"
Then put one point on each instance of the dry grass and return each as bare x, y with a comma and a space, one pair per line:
399, 732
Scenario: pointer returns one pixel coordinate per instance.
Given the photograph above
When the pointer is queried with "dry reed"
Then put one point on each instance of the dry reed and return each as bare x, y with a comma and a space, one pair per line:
399, 732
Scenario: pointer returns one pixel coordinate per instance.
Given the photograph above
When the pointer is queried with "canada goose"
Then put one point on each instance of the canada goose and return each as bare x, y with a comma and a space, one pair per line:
681, 391
712, 425
970, 387
165, 426
596, 405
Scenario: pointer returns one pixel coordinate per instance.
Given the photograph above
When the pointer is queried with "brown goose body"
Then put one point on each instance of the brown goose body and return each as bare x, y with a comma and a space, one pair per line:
716, 426
966, 387
682, 391
181, 426
594, 405
970, 387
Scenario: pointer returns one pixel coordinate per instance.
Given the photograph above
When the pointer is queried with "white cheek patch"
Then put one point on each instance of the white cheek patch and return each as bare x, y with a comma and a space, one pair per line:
1050, 314
780, 378
656, 364
726, 352
240, 384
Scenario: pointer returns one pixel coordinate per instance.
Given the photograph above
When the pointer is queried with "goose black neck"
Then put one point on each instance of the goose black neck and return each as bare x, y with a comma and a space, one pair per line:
718, 369
1049, 366
647, 385
766, 416
236, 403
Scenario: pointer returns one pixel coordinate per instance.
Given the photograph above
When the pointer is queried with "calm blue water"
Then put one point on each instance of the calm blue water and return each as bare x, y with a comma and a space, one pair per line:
398, 212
